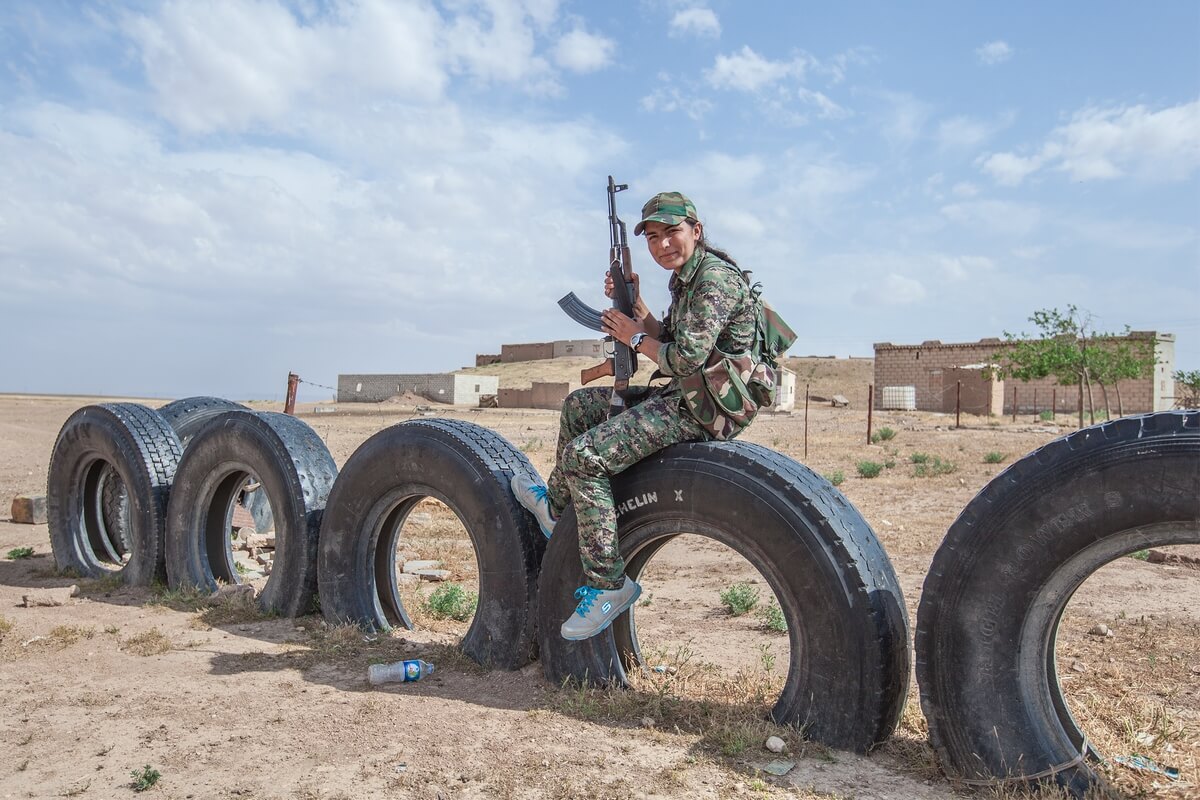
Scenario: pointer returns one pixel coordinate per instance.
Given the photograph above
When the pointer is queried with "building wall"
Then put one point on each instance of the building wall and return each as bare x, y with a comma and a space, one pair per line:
442, 387
515, 398
534, 351
579, 347
549, 395
485, 359
924, 366
785, 392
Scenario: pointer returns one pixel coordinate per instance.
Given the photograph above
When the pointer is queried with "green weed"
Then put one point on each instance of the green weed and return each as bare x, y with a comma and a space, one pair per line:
886, 434
772, 619
1140, 555
144, 778
1047, 416
993, 457
20, 552
740, 598
869, 469
836, 477
934, 466
919, 458
452, 601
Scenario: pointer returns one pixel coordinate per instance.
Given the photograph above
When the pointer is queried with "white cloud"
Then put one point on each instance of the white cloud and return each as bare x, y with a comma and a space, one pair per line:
1106, 143
670, 99
891, 290
959, 268
904, 118
580, 51
993, 53
232, 65
962, 133
964, 189
696, 22
747, 71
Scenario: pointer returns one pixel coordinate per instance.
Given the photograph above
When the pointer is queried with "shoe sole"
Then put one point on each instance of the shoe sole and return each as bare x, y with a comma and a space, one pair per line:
624, 607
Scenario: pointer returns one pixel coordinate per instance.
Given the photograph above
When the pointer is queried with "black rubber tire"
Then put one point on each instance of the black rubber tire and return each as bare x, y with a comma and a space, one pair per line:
296, 473
466, 467
189, 415
141, 448
998, 584
114, 499
847, 625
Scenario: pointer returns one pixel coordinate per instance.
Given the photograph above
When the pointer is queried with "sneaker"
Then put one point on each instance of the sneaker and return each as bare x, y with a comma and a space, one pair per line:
533, 495
598, 608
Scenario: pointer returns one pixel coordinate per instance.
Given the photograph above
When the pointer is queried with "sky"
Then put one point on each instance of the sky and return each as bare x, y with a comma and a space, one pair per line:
198, 197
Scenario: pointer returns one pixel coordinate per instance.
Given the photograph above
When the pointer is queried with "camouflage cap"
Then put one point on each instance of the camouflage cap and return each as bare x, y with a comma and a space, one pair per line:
670, 208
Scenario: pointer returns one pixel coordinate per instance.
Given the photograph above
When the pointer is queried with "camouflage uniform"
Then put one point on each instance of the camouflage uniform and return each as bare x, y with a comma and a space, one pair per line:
710, 307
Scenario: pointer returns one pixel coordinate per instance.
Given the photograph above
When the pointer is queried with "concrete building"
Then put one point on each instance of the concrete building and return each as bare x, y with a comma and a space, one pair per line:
932, 369
445, 387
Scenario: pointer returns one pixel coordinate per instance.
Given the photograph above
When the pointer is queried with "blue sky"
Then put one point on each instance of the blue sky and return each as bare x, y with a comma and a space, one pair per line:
199, 197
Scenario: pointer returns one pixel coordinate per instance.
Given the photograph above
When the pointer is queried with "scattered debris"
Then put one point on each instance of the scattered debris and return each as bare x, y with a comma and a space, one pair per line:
1144, 764
775, 744
1101, 630
1160, 557
29, 509
234, 591
779, 767
435, 575
647, 722
839, 401
50, 597
415, 566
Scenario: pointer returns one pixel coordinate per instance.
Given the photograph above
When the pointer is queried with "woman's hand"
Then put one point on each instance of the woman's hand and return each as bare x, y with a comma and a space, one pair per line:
619, 326
640, 310
608, 285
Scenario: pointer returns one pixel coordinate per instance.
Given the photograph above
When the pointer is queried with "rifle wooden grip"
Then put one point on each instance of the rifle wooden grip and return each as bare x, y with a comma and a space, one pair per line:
601, 370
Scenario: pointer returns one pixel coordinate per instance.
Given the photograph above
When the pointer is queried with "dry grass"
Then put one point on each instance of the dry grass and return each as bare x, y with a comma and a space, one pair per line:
67, 635
148, 643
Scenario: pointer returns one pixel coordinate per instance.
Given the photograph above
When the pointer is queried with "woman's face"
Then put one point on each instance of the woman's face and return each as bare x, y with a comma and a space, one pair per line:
671, 245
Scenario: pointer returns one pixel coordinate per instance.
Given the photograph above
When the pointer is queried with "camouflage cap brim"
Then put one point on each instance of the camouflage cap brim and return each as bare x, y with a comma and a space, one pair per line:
669, 208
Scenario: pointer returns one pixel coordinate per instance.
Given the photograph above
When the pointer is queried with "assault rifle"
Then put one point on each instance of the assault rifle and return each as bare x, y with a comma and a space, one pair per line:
623, 363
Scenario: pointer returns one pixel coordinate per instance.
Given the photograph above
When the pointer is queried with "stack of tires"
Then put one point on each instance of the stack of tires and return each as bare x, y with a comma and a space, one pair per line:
173, 478
149, 495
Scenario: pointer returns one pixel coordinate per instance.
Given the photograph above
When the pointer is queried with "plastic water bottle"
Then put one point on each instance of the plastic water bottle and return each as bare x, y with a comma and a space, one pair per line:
412, 670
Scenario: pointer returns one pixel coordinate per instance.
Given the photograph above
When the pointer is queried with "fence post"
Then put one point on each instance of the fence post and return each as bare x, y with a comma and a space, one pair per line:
806, 422
1053, 403
1014, 404
289, 405
1035, 414
958, 405
870, 408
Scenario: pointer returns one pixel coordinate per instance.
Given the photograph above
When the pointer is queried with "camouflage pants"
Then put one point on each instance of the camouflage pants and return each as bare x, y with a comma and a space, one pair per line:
592, 448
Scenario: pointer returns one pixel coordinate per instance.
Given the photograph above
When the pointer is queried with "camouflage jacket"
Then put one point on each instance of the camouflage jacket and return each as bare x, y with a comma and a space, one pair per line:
710, 307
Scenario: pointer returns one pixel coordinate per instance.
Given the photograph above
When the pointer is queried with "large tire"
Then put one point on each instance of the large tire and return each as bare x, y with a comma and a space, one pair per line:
847, 625
136, 444
296, 473
187, 416
998, 584
466, 467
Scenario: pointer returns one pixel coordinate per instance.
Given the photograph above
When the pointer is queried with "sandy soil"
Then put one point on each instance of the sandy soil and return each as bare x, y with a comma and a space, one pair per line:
224, 703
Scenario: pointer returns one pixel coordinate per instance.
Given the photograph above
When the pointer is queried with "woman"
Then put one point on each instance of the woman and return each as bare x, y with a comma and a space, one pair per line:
711, 307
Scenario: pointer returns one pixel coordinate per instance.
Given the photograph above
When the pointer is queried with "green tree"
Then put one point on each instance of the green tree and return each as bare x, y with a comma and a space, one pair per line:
1187, 388
1069, 348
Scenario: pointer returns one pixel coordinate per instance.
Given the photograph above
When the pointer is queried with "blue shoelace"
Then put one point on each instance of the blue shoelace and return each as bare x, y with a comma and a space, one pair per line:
540, 492
586, 595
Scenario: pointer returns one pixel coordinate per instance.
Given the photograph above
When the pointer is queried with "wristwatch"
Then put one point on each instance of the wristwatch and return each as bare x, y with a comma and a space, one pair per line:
635, 340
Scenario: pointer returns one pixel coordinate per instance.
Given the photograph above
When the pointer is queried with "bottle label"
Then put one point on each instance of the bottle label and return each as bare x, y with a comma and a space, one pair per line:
412, 670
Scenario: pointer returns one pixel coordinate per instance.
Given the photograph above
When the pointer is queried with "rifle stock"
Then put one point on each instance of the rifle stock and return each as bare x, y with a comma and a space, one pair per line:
601, 370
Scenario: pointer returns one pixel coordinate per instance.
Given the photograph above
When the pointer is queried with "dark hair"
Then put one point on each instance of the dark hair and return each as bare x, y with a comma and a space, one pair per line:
704, 243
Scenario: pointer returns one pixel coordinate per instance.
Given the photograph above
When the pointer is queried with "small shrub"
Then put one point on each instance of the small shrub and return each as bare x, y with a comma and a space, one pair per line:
934, 466
18, 553
5, 626
919, 458
148, 643
452, 601
994, 458
837, 477
1047, 416
887, 434
875, 438
1140, 555
144, 778
740, 598
772, 619
869, 469
891, 462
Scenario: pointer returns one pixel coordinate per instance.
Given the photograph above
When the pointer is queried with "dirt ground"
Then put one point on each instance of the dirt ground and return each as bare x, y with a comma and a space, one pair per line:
222, 702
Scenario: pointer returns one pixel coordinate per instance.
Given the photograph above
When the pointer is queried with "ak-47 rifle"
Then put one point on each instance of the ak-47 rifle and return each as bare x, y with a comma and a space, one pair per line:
623, 363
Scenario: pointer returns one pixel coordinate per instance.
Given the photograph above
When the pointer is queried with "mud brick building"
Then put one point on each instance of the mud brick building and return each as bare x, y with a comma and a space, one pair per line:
933, 370
444, 387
